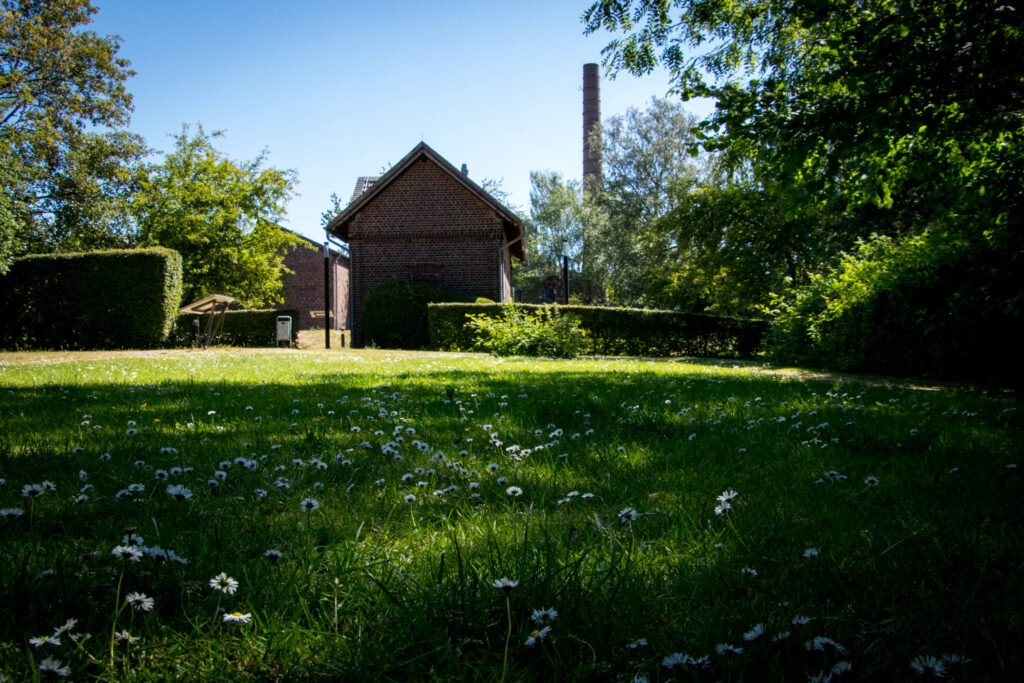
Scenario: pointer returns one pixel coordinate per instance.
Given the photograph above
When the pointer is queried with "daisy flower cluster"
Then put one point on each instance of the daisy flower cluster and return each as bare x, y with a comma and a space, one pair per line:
370, 494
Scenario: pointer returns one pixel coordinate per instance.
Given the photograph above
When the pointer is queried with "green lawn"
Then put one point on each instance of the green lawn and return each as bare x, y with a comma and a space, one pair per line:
657, 519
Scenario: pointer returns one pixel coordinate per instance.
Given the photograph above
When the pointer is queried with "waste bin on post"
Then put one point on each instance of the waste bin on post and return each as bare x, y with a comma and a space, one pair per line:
284, 329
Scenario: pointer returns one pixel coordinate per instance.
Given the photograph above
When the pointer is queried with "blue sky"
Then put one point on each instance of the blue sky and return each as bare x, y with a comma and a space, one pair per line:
336, 90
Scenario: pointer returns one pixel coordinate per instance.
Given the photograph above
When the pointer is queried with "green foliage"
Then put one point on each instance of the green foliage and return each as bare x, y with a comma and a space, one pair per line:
395, 313
899, 104
733, 246
616, 331
545, 331
241, 328
932, 304
618, 468
648, 155
219, 215
60, 85
96, 300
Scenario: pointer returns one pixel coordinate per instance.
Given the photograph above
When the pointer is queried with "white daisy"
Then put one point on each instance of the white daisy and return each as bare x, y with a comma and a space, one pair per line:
224, 583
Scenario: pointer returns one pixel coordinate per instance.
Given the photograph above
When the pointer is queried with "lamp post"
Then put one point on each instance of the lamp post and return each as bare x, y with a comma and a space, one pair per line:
565, 271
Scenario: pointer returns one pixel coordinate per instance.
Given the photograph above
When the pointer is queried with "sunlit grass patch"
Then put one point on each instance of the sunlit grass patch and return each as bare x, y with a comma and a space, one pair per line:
348, 515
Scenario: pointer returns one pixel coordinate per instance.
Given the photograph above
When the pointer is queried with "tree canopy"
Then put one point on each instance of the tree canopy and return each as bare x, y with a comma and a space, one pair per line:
904, 104
220, 216
60, 86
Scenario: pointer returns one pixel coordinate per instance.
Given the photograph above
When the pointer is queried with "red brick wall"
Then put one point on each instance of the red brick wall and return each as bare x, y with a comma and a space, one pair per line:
425, 227
304, 288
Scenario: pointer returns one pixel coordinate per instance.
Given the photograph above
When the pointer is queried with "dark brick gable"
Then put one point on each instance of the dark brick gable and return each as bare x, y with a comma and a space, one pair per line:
424, 222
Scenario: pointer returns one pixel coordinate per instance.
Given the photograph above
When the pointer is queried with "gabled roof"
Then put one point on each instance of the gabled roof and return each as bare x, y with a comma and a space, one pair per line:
514, 228
333, 248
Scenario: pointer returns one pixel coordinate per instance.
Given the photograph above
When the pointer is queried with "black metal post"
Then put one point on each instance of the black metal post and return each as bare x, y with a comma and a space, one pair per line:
565, 279
327, 297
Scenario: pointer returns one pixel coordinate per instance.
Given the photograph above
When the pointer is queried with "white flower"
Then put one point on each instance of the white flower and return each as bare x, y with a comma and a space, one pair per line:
127, 552
224, 583
676, 659
139, 601
723, 648
53, 666
505, 583
178, 492
748, 571
238, 617
723, 508
273, 555
409, 498
309, 504
125, 636
628, 514
727, 496
925, 664
754, 633
811, 552
871, 480
842, 667
544, 614
44, 640
513, 491
537, 635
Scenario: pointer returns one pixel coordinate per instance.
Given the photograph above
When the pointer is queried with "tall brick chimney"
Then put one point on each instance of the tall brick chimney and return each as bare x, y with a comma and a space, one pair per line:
592, 171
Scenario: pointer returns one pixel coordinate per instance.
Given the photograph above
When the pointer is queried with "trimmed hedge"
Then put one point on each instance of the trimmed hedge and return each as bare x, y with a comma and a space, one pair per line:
619, 331
115, 299
241, 328
395, 313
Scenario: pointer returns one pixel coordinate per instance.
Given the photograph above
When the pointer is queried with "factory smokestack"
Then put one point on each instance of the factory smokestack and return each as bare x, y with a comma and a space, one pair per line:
592, 171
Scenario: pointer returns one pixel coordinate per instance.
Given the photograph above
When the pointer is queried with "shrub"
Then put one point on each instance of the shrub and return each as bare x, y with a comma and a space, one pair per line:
543, 332
931, 304
97, 300
241, 328
395, 313
618, 331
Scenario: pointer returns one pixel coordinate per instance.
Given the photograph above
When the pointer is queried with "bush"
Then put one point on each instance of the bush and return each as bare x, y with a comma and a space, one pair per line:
618, 331
97, 300
932, 304
544, 332
395, 313
241, 328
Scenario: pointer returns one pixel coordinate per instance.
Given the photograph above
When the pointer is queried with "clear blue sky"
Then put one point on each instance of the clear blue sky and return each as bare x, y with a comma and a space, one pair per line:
336, 90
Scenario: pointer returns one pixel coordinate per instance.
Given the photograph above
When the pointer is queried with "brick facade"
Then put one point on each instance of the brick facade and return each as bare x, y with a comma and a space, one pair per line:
424, 221
304, 288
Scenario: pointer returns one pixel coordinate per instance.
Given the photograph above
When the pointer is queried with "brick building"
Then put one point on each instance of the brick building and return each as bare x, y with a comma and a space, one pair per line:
304, 287
425, 221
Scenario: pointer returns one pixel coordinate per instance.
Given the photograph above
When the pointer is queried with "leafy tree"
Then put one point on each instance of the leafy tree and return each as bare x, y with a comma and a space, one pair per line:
896, 117
220, 216
736, 244
650, 160
59, 85
911, 106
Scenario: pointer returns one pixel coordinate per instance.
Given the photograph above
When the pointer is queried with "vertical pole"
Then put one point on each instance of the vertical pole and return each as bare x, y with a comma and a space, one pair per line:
565, 279
327, 297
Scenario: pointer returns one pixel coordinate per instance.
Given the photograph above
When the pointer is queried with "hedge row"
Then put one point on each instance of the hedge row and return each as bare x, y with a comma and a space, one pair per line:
619, 331
395, 313
241, 328
97, 300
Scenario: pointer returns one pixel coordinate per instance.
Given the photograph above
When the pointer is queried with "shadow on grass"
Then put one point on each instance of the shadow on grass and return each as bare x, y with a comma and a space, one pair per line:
666, 440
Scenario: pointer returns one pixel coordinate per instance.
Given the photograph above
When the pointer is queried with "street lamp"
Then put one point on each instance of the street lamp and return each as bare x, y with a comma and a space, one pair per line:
565, 271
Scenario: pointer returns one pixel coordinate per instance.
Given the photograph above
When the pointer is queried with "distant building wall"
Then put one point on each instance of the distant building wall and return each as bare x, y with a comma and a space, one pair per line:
426, 227
304, 288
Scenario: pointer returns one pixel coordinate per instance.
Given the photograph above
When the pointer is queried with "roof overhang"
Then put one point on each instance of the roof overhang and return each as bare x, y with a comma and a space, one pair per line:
207, 304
